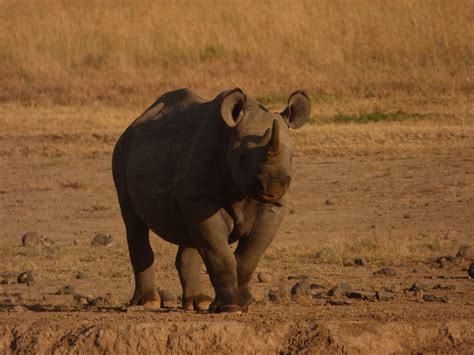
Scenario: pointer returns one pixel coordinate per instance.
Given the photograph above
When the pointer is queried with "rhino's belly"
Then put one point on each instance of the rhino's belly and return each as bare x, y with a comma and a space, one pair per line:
150, 187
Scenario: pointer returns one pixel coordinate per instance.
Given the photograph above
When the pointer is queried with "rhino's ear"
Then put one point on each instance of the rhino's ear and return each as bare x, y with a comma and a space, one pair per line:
232, 107
298, 110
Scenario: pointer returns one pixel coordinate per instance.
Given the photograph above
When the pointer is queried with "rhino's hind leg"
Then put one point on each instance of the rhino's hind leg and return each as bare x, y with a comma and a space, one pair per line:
142, 258
188, 264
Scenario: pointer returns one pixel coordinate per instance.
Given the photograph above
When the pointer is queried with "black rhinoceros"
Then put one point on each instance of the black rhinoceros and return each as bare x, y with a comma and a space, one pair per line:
204, 174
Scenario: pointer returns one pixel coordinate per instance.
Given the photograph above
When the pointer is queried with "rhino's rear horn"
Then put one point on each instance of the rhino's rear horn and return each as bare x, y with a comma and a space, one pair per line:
274, 143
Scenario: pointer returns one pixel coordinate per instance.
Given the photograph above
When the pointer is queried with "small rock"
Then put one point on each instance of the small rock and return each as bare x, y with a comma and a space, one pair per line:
395, 288
298, 277
340, 289
26, 278
406, 215
444, 287
84, 300
168, 299
361, 261
282, 292
466, 251
3, 280
434, 298
292, 211
33, 239
445, 260
66, 290
386, 271
264, 277
300, 289
339, 302
80, 275
385, 296
470, 271
420, 286
327, 256
316, 286
328, 202
363, 295
105, 240
319, 294
102, 301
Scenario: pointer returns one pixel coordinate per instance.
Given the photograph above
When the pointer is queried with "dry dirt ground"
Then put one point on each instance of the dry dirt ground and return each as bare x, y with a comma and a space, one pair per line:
399, 195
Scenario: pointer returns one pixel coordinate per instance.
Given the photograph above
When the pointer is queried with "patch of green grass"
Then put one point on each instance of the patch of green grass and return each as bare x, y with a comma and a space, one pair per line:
368, 117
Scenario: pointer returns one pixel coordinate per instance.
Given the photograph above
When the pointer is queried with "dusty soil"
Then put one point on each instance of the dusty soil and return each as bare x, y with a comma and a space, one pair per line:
402, 206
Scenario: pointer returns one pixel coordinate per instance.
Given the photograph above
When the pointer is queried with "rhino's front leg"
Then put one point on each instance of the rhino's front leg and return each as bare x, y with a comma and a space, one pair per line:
251, 249
210, 233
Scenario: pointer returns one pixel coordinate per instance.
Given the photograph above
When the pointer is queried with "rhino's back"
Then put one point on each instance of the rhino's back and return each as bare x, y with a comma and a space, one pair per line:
154, 145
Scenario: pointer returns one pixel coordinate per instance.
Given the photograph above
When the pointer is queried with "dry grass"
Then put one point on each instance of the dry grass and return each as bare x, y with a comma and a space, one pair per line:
122, 51
89, 131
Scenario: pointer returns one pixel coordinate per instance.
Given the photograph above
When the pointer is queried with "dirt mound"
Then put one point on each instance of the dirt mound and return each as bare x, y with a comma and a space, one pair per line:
234, 336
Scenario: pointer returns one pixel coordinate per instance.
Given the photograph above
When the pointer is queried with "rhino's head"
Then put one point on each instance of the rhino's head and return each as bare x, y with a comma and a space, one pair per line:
259, 152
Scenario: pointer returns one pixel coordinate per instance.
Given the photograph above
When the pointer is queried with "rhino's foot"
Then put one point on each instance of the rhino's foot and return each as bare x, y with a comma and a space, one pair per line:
150, 300
218, 307
197, 303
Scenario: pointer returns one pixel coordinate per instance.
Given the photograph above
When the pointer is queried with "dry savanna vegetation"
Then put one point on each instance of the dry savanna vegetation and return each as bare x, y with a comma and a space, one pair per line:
121, 51
375, 251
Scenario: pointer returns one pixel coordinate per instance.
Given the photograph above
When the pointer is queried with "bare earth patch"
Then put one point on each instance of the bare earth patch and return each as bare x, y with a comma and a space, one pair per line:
391, 203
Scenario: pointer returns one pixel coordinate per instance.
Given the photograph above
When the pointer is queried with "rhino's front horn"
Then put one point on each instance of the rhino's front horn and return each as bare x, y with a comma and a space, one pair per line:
274, 143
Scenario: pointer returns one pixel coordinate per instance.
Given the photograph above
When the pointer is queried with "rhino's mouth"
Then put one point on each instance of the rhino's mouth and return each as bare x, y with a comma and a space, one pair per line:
268, 198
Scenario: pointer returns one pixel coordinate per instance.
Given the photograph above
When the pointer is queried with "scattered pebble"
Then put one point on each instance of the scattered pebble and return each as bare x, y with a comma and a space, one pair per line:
34, 240
444, 287
406, 215
363, 295
105, 240
434, 298
327, 256
395, 288
445, 260
339, 302
471, 270
84, 300
466, 251
316, 286
300, 289
420, 285
264, 277
385, 296
282, 292
3, 280
80, 275
340, 289
328, 202
168, 299
361, 261
26, 278
386, 271
292, 211
66, 290
298, 277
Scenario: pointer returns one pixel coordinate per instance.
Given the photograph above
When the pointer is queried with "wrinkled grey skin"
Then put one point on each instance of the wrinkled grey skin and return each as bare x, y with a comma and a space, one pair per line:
203, 174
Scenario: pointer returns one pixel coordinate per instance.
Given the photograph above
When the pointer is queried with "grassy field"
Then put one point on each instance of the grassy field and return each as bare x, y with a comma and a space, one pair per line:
123, 52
